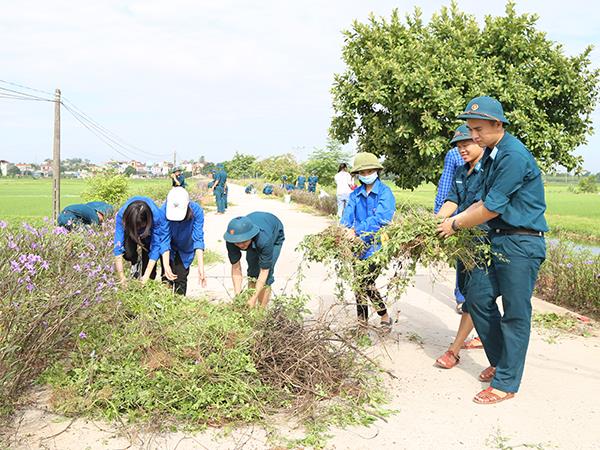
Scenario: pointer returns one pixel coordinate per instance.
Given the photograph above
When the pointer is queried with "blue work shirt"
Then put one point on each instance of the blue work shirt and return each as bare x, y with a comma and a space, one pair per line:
78, 214
301, 181
312, 180
160, 240
102, 207
513, 186
467, 187
221, 177
187, 236
366, 214
452, 162
270, 234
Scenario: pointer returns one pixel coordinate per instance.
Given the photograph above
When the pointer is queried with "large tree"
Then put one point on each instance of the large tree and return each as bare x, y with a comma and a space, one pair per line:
324, 162
275, 167
240, 166
406, 81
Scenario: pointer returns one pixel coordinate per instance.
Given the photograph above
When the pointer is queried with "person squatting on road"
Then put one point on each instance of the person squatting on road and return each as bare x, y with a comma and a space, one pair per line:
313, 179
464, 191
261, 236
140, 223
370, 207
186, 228
513, 205
91, 213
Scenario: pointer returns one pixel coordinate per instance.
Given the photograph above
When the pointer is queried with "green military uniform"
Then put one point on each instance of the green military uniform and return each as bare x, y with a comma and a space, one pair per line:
513, 188
465, 190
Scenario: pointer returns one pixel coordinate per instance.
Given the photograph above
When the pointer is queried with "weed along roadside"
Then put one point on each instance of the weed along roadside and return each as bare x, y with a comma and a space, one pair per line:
296, 374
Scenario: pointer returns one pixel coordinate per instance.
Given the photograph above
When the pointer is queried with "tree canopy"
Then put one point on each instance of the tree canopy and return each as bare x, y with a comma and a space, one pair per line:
273, 168
240, 166
406, 82
324, 162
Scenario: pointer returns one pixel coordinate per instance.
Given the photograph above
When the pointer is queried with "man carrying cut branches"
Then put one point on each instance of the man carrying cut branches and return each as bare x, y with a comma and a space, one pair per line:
370, 207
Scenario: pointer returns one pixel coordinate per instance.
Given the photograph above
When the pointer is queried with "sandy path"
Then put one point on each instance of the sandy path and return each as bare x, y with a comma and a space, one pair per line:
557, 406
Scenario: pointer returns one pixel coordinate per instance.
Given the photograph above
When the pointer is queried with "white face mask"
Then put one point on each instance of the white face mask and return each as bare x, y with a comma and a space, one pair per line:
368, 179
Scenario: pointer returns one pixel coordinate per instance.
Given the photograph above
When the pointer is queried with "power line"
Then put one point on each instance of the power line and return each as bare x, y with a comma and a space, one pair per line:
27, 87
21, 95
100, 136
115, 138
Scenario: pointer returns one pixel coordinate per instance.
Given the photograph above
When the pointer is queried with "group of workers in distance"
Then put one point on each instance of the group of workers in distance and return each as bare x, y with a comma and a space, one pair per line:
498, 188
302, 183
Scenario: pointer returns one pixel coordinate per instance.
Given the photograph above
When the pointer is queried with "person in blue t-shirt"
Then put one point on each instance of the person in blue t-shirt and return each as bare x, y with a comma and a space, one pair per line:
186, 227
464, 191
268, 189
513, 205
301, 182
91, 213
141, 224
312, 182
370, 206
261, 236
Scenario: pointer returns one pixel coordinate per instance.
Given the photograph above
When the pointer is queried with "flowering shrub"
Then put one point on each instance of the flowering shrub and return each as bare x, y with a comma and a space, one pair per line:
51, 282
571, 278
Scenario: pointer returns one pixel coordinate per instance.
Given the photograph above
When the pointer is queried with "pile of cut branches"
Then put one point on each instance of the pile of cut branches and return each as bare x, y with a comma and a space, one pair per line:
409, 240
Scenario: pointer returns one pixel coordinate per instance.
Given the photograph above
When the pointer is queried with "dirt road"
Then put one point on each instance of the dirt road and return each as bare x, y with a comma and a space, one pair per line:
557, 406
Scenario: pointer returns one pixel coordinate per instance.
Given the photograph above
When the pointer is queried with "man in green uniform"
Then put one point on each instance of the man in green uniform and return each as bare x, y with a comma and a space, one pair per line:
92, 213
219, 186
260, 235
513, 206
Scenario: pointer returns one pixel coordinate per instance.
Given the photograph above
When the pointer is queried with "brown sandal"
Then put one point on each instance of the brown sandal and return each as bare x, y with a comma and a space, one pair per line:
488, 397
472, 344
448, 360
487, 375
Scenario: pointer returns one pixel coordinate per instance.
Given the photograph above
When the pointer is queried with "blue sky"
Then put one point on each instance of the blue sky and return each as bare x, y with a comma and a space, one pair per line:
206, 78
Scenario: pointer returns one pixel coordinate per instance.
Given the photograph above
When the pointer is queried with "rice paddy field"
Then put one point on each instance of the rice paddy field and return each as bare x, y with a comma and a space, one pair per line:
576, 215
30, 199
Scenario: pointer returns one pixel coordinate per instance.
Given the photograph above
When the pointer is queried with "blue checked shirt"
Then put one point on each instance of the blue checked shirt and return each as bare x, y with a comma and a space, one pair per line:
452, 161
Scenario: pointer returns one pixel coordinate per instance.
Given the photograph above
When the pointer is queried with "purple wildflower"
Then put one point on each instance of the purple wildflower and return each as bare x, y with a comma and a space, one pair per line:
30, 287
77, 267
82, 335
15, 266
589, 261
12, 245
45, 265
569, 266
2, 224
60, 230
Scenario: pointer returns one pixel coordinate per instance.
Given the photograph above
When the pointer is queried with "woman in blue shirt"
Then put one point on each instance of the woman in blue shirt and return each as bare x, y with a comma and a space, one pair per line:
186, 228
370, 207
140, 223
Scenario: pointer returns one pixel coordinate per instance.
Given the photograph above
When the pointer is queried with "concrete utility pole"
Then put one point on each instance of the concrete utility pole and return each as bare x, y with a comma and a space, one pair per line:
56, 159
174, 158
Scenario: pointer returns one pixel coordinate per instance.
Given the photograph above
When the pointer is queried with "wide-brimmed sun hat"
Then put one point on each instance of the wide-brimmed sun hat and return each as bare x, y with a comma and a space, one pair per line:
364, 161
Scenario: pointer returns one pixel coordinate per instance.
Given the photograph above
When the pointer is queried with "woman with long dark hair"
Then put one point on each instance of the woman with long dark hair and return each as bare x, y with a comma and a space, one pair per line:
141, 237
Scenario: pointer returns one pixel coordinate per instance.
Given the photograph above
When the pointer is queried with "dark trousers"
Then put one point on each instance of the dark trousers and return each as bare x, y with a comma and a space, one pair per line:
133, 256
367, 292
505, 337
178, 268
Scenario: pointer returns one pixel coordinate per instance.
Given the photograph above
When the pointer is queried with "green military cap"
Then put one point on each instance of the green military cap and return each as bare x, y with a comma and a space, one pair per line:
462, 133
486, 108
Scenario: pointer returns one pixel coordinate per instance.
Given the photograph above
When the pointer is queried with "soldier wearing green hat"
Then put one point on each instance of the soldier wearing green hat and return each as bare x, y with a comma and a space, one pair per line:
370, 207
261, 236
513, 205
177, 177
